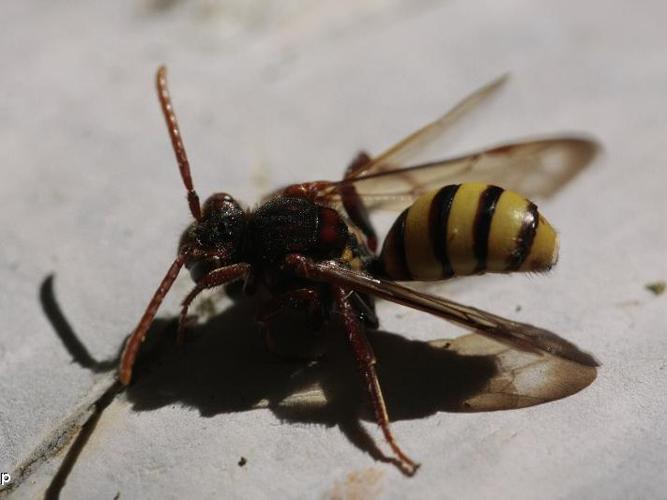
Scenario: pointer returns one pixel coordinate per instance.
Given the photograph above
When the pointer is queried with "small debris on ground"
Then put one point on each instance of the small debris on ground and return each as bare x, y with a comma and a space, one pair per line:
657, 287
242, 462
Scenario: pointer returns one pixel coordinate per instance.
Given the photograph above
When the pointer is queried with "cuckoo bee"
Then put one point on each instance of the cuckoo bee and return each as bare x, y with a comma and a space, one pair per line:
313, 248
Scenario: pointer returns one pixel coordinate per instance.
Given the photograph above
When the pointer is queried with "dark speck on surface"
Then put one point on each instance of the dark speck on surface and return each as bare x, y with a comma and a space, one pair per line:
657, 287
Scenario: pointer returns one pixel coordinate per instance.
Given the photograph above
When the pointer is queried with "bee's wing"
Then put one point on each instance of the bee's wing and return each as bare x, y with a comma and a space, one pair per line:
534, 168
405, 150
519, 379
470, 373
518, 335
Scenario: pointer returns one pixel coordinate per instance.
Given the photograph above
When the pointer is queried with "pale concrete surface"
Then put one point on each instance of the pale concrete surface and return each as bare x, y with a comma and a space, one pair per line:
273, 93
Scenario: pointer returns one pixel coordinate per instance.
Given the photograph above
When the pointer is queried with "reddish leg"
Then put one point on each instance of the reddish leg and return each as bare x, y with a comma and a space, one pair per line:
129, 354
215, 278
365, 359
354, 205
357, 165
296, 299
363, 353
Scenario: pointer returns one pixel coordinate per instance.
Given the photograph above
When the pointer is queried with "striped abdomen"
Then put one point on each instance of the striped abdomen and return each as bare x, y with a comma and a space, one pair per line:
467, 229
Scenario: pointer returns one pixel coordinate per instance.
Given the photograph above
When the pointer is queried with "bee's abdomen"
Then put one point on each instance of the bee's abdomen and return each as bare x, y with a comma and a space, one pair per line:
468, 229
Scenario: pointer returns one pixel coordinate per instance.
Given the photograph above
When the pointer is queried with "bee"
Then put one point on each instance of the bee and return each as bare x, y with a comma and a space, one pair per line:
313, 248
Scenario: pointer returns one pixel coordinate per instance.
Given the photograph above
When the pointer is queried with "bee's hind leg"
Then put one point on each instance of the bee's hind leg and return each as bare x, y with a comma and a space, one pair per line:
365, 358
354, 205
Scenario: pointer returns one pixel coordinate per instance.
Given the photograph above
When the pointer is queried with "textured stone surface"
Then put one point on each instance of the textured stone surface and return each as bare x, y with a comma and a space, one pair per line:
274, 93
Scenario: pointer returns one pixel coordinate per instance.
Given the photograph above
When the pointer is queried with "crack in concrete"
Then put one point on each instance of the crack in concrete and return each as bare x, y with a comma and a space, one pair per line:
60, 437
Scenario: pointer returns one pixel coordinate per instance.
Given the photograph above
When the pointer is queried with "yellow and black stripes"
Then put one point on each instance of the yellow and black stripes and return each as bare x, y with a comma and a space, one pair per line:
482, 225
438, 218
468, 229
524, 239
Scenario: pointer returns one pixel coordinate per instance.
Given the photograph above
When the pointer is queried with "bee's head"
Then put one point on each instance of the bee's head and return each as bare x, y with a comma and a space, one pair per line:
219, 234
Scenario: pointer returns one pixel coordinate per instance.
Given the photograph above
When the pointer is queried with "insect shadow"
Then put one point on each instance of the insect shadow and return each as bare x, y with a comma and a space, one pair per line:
225, 367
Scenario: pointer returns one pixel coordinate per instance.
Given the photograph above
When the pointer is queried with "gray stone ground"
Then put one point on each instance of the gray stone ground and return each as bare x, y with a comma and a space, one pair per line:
270, 93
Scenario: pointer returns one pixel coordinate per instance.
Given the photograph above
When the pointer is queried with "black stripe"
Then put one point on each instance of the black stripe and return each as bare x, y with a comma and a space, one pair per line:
482, 226
524, 240
401, 258
438, 217
393, 251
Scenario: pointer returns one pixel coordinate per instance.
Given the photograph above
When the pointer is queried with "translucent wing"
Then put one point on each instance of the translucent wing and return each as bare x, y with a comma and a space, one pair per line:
402, 152
520, 379
535, 168
470, 373
518, 335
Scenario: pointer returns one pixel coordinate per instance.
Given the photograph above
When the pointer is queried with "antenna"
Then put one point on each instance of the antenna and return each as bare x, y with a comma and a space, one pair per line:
176, 140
